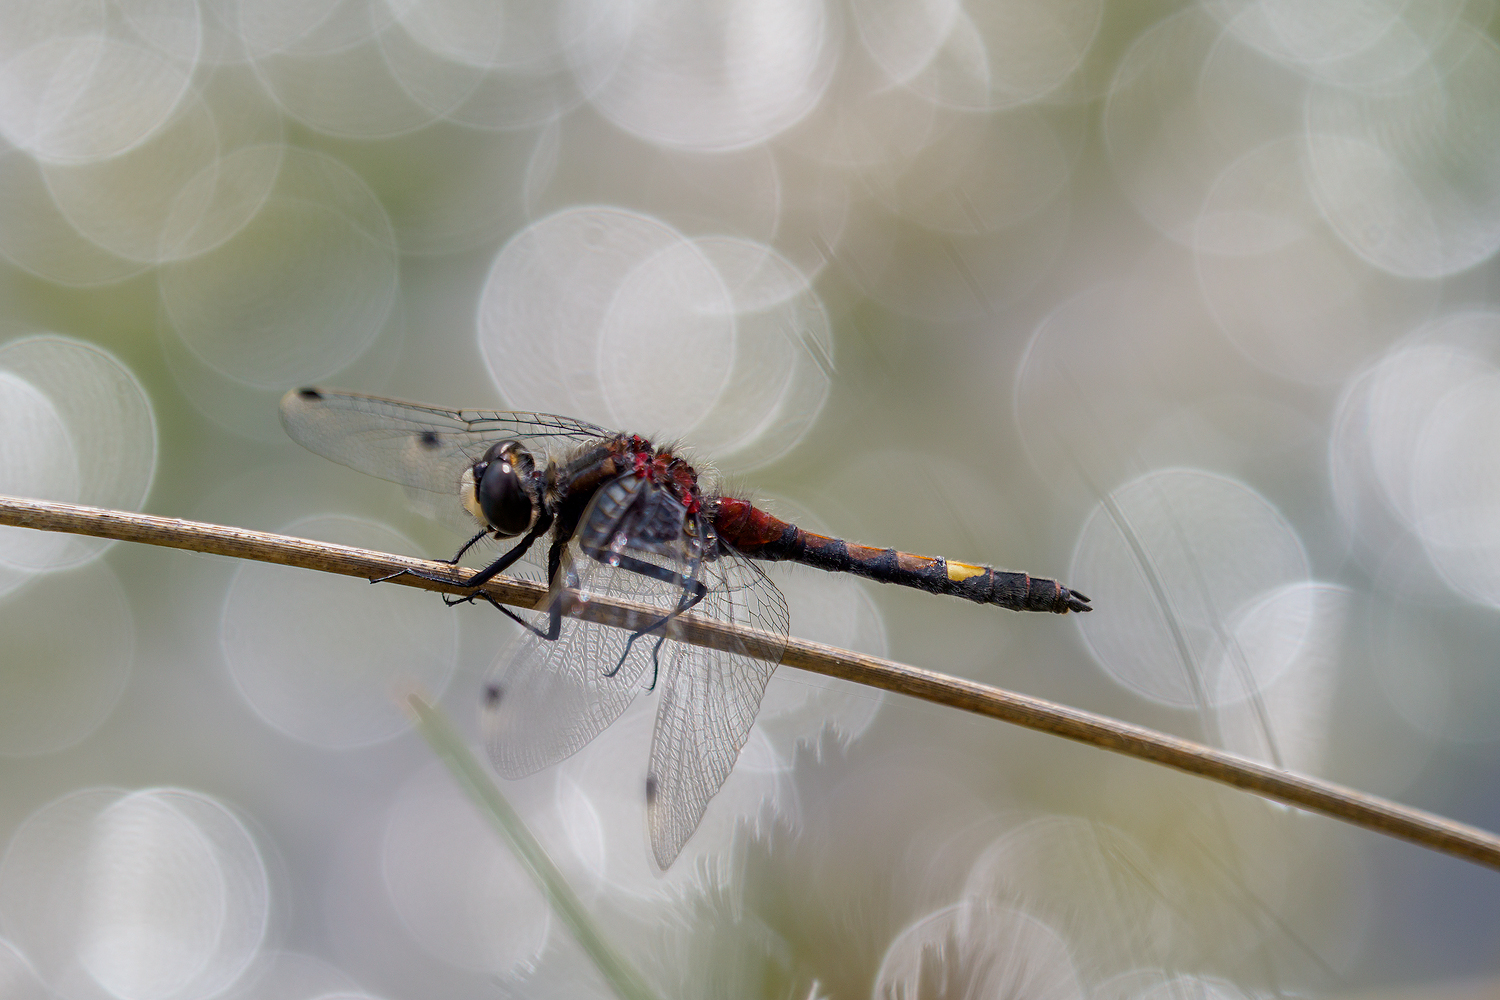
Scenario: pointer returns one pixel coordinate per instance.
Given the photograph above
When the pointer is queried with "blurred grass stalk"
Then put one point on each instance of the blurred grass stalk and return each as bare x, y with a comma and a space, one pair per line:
471, 775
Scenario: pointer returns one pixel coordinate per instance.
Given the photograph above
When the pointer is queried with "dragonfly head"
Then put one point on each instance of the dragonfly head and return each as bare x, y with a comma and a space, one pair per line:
501, 489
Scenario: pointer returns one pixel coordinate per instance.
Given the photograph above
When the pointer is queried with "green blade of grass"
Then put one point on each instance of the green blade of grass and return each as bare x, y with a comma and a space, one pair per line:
474, 778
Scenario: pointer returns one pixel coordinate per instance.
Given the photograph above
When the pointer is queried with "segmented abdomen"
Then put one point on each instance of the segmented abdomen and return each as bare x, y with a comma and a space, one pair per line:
761, 536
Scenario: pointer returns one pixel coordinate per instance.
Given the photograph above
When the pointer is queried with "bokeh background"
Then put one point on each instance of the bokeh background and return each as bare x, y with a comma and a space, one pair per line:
1190, 305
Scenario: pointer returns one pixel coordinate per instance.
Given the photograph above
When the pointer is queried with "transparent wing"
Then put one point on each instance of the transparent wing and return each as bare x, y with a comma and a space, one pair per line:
709, 699
549, 699
426, 447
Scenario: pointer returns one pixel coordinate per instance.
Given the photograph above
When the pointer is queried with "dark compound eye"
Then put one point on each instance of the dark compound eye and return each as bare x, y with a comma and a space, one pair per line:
502, 486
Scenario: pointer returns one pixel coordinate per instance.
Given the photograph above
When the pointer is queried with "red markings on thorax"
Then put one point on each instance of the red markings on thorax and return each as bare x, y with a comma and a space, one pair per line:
666, 469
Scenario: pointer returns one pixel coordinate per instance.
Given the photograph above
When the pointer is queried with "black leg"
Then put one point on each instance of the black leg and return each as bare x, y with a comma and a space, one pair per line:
467, 546
485, 575
452, 562
489, 572
693, 591
554, 609
507, 612
504, 563
656, 663
554, 606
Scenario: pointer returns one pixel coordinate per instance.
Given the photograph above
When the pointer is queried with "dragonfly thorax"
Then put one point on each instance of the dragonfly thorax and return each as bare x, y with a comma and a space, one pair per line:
662, 467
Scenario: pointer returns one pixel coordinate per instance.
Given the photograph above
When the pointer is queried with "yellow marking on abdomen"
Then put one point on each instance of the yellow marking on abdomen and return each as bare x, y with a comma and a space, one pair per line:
958, 572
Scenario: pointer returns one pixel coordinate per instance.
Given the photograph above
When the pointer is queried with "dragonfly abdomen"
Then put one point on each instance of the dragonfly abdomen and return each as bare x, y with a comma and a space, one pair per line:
760, 536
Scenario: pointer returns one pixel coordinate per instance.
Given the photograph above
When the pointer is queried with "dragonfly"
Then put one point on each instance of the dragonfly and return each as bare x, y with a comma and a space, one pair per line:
623, 518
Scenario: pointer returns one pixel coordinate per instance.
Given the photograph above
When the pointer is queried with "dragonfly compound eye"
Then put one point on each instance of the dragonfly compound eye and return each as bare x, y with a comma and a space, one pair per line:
503, 491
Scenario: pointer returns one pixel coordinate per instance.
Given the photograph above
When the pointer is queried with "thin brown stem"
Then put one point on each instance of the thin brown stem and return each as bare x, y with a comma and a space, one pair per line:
1313, 794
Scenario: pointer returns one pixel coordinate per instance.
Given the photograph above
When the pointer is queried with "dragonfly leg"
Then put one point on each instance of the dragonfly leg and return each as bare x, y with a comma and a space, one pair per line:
656, 662
466, 547
554, 611
428, 576
693, 591
554, 606
484, 576
500, 565
507, 612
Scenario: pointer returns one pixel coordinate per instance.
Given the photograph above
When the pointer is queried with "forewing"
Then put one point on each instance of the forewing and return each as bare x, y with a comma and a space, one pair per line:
709, 699
426, 447
547, 699
551, 697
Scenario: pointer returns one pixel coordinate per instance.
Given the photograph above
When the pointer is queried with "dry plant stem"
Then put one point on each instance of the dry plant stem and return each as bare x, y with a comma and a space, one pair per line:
1309, 793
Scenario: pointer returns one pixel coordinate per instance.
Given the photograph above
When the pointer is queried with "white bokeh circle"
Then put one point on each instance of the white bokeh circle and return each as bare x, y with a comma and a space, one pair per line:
114, 895
300, 290
80, 429
1176, 555
323, 660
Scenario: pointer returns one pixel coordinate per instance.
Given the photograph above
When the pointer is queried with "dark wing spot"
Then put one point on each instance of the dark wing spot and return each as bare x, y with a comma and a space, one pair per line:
650, 789
428, 439
492, 694
309, 394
